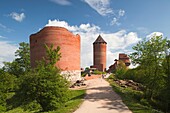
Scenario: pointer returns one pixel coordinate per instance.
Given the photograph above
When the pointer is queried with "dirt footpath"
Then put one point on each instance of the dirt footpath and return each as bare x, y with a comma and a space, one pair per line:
100, 98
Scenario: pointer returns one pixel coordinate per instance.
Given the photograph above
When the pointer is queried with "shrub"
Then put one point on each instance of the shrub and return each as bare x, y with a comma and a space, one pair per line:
45, 86
121, 70
96, 72
7, 83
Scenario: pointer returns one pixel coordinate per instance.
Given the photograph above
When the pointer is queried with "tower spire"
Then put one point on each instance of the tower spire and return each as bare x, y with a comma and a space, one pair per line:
99, 40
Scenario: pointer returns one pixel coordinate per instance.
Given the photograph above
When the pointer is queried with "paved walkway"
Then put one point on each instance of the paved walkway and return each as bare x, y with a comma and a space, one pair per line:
100, 98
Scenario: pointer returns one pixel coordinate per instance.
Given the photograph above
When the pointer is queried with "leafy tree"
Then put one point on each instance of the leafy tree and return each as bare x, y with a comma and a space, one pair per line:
136, 74
7, 84
166, 67
121, 69
23, 56
53, 55
22, 62
44, 84
13, 68
149, 55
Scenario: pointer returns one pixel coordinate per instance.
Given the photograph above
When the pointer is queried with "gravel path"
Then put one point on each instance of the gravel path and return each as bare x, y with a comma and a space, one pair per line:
100, 98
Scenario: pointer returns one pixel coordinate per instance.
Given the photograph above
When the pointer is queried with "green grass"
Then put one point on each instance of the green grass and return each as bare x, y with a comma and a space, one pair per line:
76, 98
132, 98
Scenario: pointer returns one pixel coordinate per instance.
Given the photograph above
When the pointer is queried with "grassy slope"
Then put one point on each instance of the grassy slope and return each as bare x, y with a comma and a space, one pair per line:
75, 101
130, 98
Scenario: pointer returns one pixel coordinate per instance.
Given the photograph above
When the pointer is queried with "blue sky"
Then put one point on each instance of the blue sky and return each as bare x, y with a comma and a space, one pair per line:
120, 22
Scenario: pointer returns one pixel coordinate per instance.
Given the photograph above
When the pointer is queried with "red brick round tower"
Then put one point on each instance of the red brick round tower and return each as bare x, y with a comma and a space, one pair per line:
58, 36
99, 54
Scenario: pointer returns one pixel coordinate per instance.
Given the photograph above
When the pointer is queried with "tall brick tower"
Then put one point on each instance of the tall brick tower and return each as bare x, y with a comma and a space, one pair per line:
99, 54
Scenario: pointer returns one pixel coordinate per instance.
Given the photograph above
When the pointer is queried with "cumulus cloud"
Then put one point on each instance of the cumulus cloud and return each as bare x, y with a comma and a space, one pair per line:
154, 34
62, 2
117, 42
18, 17
7, 51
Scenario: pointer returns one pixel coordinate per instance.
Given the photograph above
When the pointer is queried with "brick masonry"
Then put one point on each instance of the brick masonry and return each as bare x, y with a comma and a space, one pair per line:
58, 36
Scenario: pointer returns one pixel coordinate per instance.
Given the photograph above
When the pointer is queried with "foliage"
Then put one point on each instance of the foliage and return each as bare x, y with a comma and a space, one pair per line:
96, 72
7, 84
23, 56
120, 69
13, 68
22, 62
52, 55
75, 99
153, 58
149, 54
133, 99
44, 84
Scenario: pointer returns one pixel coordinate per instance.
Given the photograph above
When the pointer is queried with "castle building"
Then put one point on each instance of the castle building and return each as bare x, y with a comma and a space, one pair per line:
69, 44
99, 54
122, 57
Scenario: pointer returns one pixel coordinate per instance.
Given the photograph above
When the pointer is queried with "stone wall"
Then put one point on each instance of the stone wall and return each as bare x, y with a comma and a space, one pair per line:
72, 76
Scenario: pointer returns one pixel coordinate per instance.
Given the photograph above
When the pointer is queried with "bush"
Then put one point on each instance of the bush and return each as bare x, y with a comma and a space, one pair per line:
45, 86
136, 75
144, 102
121, 70
7, 84
96, 72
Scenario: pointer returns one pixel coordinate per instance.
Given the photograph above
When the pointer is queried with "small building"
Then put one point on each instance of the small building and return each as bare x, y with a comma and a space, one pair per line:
122, 57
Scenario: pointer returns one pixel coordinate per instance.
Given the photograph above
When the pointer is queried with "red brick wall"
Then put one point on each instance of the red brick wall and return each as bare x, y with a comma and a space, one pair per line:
58, 36
99, 51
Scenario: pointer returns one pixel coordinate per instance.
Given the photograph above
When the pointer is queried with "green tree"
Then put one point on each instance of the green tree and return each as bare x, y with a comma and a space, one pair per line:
22, 62
166, 67
7, 84
53, 55
44, 84
149, 55
120, 69
23, 56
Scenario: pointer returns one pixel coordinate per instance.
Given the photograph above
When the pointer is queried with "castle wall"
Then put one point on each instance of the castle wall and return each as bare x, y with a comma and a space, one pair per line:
58, 36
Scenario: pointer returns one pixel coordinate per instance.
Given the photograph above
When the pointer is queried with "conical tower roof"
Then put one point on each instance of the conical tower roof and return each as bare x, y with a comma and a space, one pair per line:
99, 40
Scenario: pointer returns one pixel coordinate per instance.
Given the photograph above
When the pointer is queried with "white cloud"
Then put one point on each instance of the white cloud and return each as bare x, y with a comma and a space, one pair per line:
121, 12
5, 28
7, 51
101, 6
154, 34
114, 21
2, 37
18, 17
117, 42
61, 2
2, 26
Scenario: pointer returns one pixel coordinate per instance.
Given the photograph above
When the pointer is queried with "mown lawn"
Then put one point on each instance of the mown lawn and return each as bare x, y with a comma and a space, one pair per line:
76, 98
133, 99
